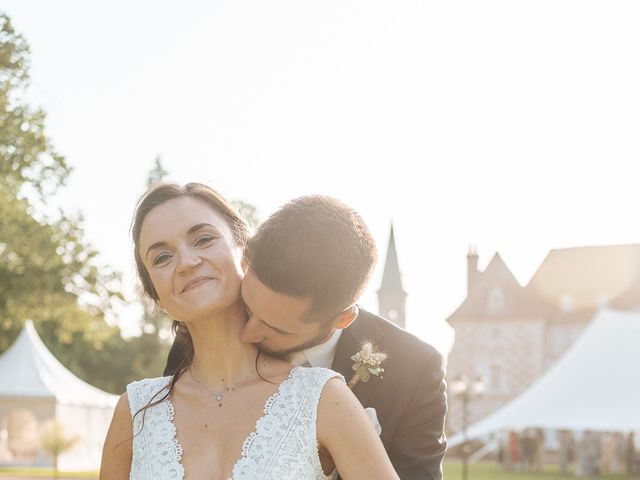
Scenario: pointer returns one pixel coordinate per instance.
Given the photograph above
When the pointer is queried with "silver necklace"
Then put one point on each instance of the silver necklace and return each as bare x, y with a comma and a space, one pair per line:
229, 388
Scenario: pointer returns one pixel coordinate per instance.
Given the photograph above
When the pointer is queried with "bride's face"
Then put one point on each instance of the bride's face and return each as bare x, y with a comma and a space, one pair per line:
192, 258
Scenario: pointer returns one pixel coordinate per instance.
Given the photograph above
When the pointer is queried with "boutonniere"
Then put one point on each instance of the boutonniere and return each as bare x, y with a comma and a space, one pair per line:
367, 363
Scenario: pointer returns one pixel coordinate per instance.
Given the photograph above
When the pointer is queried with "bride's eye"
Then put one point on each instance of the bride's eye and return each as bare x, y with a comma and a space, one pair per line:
203, 240
162, 258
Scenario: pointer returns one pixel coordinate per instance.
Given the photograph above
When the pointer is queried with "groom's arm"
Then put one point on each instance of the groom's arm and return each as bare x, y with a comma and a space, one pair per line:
419, 444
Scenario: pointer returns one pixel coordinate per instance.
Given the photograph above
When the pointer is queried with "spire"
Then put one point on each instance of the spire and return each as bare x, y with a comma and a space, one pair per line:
391, 279
391, 295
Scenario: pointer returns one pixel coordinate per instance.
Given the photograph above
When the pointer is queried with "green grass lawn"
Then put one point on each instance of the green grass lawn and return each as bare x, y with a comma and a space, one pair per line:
490, 471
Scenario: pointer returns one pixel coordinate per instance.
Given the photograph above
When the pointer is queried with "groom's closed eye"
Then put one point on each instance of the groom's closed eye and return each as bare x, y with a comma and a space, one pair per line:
270, 327
275, 329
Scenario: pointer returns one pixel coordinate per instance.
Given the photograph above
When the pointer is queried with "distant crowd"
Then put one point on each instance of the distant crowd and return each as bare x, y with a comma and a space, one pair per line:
593, 453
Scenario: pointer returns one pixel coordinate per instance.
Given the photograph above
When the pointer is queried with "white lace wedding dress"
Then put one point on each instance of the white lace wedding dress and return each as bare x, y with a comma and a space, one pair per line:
283, 445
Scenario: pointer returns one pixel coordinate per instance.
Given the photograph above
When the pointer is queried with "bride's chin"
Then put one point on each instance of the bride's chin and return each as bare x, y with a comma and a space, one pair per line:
207, 313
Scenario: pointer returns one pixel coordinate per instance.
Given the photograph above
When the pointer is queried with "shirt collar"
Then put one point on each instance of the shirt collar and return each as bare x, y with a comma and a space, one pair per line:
320, 355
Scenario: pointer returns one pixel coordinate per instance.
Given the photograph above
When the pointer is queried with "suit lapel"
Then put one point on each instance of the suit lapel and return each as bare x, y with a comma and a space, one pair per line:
349, 344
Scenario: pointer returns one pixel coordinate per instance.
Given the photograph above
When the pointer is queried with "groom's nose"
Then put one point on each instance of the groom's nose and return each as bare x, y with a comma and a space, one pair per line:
253, 331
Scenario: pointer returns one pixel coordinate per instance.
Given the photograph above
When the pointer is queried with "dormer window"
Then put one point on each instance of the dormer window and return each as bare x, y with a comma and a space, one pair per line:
567, 303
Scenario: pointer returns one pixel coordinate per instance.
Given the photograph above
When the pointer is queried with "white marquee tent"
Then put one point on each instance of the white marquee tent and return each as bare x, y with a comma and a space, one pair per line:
36, 388
595, 385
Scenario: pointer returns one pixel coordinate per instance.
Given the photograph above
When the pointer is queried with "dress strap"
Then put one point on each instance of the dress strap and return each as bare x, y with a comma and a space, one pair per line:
156, 451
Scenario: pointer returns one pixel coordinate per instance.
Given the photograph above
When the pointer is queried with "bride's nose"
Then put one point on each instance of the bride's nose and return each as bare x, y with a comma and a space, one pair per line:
188, 260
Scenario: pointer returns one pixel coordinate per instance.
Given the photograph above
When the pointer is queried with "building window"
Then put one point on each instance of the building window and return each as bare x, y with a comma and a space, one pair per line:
567, 303
496, 300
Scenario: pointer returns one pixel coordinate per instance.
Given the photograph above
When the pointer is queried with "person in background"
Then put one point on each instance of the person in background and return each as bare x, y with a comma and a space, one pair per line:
565, 450
630, 455
514, 450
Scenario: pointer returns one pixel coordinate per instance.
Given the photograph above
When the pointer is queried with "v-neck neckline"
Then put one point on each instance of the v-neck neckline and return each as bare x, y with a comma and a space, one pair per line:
250, 438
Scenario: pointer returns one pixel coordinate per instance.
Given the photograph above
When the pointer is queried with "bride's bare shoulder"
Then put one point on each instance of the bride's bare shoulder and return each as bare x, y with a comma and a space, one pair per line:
117, 450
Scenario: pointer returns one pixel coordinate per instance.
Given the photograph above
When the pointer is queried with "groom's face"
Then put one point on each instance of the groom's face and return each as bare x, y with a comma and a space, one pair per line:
277, 323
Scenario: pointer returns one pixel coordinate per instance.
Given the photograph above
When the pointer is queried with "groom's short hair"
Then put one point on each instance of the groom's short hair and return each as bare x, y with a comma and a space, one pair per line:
314, 247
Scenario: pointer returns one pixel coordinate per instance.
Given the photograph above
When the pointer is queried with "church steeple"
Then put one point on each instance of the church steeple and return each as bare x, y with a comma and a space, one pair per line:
391, 295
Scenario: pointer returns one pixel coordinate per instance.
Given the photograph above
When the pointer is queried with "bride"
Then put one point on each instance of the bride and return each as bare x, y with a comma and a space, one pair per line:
230, 411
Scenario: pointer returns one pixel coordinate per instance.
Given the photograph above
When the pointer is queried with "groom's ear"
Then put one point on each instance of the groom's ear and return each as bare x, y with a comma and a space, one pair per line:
346, 317
245, 265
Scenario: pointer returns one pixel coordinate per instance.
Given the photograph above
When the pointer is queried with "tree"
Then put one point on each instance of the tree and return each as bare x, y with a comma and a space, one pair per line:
47, 270
249, 212
157, 174
55, 441
26, 153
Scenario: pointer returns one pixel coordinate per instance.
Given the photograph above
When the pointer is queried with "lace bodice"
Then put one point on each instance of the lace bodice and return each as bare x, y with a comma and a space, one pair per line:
282, 446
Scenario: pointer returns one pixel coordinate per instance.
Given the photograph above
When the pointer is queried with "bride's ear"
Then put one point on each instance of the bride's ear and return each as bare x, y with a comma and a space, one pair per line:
245, 265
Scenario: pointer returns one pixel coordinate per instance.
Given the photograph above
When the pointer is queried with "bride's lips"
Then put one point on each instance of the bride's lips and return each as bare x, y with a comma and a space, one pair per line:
195, 283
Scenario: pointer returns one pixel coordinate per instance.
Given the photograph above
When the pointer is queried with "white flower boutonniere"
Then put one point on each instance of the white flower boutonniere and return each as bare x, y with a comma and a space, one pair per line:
367, 363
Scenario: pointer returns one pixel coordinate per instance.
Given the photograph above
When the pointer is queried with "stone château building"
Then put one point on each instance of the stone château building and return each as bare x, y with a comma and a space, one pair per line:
510, 334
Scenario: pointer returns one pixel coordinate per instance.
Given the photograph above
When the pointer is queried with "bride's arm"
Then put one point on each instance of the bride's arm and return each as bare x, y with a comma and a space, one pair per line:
345, 430
117, 452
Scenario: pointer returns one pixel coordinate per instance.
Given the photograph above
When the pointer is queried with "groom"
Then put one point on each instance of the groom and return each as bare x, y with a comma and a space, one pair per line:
306, 267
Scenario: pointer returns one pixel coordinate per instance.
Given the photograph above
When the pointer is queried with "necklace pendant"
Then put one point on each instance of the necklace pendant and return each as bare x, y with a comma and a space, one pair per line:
218, 397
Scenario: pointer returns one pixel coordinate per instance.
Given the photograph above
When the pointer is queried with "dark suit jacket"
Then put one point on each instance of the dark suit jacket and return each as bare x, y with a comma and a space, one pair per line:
410, 399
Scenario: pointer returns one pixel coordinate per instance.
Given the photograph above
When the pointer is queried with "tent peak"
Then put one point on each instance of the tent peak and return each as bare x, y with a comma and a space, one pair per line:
28, 369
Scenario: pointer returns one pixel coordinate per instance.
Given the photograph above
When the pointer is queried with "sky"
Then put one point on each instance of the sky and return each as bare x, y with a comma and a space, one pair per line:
508, 125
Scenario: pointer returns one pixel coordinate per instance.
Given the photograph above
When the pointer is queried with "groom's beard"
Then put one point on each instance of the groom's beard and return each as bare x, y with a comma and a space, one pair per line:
322, 337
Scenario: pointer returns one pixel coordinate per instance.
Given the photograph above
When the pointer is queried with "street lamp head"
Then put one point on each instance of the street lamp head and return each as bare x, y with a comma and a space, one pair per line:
459, 385
479, 386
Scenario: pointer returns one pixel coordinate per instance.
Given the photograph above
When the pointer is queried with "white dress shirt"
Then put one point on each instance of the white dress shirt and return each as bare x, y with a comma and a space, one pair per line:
318, 356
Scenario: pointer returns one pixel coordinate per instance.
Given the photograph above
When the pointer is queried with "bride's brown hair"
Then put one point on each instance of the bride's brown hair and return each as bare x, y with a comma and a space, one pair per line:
153, 198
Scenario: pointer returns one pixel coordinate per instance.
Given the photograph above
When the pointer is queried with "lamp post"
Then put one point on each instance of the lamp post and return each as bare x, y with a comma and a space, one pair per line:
466, 390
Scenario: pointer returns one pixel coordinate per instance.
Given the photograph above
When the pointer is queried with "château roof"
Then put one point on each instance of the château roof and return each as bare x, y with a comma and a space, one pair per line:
497, 280
570, 285
588, 277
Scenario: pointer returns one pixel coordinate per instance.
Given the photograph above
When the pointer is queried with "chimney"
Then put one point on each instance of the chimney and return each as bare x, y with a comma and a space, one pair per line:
472, 268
